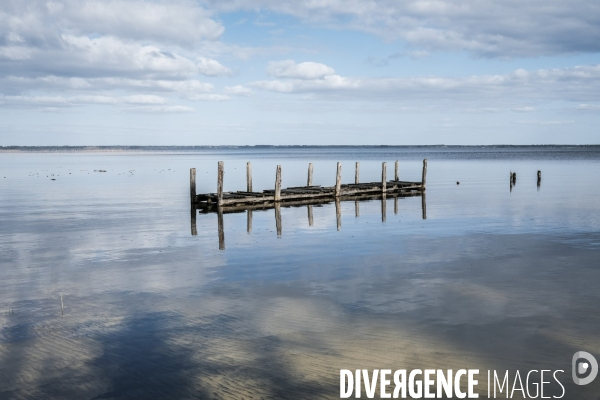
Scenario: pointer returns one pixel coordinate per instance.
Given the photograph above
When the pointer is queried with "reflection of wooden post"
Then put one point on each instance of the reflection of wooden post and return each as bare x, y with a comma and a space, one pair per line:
248, 177
310, 216
192, 185
221, 230
357, 173
220, 184
338, 180
338, 214
510, 179
356, 208
423, 180
396, 172
383, 177
396, 205
310, 174
514, 178
249, 221
278, 219
539, 180
383, 208
278, 184
193, 221
424, 205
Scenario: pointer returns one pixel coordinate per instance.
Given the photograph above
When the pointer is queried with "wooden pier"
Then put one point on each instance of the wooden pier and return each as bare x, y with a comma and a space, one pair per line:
302, 196
310, 194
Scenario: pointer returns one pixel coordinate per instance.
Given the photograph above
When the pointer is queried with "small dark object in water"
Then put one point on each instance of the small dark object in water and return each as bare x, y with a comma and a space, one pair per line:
457, 182
99, 170
52, 179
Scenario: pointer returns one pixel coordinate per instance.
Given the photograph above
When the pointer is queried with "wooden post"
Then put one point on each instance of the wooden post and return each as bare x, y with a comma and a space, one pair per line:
310, 175
396, 171
278, 219
383, 177
338, 180
383, 207
221, 230
249, 221
310, 215
539, 180
220, 183
424, 205
248, 177
356, 208
193, 221
338, 213
514, 178
357, 173
192, 185
424, 179
278, 184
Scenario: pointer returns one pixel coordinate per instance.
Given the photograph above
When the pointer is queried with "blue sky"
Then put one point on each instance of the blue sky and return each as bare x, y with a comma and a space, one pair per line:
243, 72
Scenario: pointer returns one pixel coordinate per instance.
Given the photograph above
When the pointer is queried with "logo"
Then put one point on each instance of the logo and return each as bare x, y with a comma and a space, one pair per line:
585, 368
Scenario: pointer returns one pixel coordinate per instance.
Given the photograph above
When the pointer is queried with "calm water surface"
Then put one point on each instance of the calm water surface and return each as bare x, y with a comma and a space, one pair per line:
491, 279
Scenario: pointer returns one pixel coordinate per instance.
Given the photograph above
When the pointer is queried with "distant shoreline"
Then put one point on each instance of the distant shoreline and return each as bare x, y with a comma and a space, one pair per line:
105, 149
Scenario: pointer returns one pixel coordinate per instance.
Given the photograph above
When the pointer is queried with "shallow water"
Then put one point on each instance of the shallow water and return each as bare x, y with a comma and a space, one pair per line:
491, 279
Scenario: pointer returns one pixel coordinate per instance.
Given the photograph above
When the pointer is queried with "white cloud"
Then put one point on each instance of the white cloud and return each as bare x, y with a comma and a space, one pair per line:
238, 90
572, 84
305, 70
485, 27
209, 97
588, 107
210, 67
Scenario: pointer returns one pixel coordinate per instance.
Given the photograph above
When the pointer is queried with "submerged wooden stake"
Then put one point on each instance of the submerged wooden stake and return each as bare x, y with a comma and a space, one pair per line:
248, 177
423, 181
383, 177
338, 180
220, 173
396, 171
357, 173
310, 175
192, 185
278, 184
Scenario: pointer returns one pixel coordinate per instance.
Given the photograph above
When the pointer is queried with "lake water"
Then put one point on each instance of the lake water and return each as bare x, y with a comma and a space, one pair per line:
491, 279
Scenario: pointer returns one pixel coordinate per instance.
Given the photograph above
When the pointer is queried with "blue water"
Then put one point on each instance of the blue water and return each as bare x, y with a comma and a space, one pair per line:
493, 278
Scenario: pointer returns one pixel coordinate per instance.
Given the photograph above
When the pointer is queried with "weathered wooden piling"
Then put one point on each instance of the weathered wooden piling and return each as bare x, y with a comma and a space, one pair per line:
356, 208
357, 173
338, 180
278, 219
424, 204
249, 221
396, 171
338, 213
278, 184
309, 181
383, 177
220, 173
424, 173
310, 215
193, 221
221, 229
192, 185
395, 204
248, 177
539, 178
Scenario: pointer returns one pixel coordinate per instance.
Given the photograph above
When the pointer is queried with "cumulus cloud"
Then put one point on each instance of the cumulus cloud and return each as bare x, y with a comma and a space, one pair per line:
485, 27
304, 70
580, 83
89, 49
